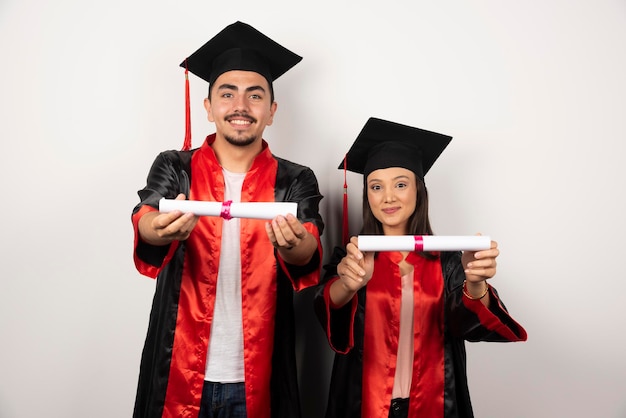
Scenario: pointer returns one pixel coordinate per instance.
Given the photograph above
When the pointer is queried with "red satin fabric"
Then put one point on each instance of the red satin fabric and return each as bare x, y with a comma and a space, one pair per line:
145, 268
197, 296
382, 314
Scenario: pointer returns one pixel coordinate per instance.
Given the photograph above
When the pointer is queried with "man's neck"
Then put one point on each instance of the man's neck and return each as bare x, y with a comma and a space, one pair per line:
234, 158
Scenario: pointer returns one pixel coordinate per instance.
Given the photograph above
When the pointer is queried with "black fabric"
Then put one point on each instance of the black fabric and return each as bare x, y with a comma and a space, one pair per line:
294, 183
168, 176
169, 168
239, 46
156, 355
399, 408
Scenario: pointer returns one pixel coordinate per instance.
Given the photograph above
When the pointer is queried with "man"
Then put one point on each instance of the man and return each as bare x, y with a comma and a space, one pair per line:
221, 335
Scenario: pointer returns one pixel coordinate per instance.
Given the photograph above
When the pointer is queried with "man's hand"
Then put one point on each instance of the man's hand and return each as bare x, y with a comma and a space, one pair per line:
158, 228
294, 243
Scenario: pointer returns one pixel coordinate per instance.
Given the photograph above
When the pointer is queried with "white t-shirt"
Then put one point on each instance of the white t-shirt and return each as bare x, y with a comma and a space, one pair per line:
225, 354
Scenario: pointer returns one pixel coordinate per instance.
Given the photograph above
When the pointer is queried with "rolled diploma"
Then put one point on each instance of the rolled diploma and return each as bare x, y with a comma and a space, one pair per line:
253, 210
424, 242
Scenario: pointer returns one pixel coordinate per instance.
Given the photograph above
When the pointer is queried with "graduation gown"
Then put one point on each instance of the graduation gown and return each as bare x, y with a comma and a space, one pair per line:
364, 365
173, 361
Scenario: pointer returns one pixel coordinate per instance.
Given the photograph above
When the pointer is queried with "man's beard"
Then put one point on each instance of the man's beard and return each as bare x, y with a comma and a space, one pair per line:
240, 141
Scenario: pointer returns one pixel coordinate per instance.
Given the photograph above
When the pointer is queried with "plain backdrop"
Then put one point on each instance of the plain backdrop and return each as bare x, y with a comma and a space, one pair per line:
533, 93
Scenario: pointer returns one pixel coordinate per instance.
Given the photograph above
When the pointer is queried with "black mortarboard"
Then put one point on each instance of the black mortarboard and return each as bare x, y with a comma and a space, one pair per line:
384, 144
239, 46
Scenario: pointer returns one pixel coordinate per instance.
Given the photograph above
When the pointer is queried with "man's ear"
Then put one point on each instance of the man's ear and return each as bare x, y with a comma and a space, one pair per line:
273, 108
209, 113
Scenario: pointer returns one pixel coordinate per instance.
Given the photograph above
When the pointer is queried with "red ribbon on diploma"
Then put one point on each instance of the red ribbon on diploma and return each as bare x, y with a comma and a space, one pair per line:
419, 243
226, 210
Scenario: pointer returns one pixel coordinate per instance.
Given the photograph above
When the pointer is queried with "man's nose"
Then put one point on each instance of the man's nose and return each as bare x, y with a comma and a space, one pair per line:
240, 104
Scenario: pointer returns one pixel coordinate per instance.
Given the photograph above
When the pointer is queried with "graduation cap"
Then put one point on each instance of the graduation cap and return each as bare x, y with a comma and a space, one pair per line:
238, 46
384, 144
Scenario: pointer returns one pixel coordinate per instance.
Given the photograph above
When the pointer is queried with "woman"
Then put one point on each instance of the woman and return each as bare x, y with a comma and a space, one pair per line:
398, 321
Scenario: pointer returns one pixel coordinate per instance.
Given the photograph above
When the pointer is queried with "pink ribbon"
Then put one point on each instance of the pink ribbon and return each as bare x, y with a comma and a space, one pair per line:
226, 210
419, 243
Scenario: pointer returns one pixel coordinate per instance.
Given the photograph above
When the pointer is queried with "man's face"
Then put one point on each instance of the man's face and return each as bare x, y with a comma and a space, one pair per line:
240, 106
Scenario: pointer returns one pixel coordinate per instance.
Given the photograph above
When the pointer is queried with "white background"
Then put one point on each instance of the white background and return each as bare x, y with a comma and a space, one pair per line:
533, 92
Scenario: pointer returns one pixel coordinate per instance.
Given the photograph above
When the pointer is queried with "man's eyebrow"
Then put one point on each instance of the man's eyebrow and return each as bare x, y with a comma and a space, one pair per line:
254, 88
227, 86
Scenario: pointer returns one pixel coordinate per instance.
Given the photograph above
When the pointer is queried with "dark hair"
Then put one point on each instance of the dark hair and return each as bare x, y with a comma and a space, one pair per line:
418, 224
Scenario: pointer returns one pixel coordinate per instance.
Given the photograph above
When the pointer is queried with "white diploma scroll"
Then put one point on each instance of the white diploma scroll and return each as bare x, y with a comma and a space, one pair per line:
424, 242
228, 209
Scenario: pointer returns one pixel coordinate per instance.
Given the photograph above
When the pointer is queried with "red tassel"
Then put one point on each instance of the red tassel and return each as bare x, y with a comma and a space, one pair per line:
187, 143
345, 233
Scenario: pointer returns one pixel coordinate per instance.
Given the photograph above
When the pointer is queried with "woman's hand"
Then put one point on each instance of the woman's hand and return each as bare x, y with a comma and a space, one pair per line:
479, 266
354, 271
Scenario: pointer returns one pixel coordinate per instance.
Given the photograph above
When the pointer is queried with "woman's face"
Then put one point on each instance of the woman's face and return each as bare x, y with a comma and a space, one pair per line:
392, 196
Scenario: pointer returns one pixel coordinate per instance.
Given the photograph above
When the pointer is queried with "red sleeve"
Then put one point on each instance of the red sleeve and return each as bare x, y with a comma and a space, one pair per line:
310, 276
496, 319
339, 324
149, 259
